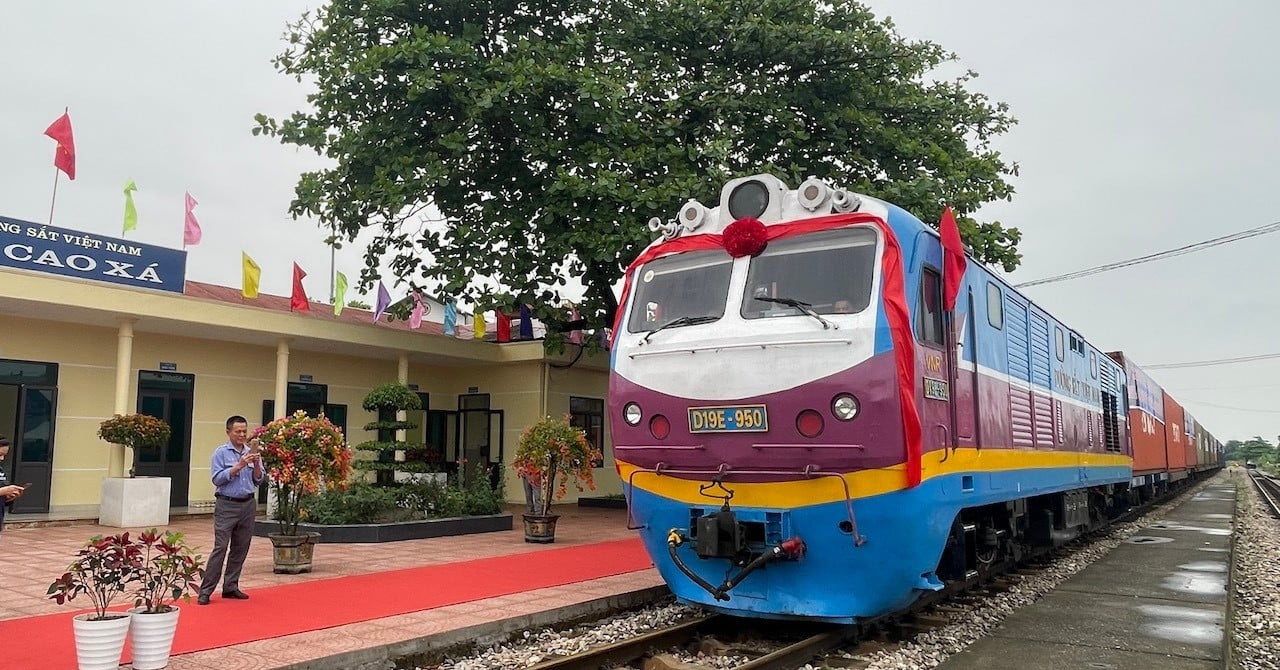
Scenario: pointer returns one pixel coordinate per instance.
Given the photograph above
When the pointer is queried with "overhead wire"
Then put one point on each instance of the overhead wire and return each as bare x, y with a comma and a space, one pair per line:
1213, 362
1179, 251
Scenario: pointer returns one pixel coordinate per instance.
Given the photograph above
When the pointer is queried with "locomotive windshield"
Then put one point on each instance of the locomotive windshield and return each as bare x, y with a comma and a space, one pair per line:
684, 285
831, 272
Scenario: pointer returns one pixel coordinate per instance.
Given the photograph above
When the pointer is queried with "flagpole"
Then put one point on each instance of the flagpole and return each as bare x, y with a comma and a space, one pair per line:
333, 290
54, 199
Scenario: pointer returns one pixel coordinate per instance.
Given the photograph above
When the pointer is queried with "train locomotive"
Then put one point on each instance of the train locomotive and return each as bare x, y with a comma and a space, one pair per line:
805, 431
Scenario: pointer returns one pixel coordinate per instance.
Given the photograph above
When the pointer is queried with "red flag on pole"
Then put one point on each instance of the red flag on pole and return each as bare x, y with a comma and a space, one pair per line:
64, 157
298, 301
504, 327
954, 261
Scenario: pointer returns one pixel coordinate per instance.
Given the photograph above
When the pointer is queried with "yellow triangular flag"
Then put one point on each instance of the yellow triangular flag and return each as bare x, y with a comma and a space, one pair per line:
252, 273
340, 288
477, 326
130, 211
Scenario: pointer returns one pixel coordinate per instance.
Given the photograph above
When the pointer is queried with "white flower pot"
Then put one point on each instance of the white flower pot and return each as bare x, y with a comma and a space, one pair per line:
99, 643
152, 638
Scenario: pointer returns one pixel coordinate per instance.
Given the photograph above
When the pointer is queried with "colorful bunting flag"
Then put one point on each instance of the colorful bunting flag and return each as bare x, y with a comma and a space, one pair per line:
298, 301
575, 335
130, 212
251, 276
477, 324
503, 327
419, 309
526, 323
340, 291
64, 157
450, 318
191, 232
384, 301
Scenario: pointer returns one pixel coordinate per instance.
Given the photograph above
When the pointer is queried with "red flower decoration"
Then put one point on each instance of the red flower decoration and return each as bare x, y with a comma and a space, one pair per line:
745, 237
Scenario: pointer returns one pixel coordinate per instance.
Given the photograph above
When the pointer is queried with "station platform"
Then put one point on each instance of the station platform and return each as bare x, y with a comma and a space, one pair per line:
363, 603
1156, 601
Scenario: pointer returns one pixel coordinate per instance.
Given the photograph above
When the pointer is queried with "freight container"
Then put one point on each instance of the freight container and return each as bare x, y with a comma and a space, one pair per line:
1175, 438
1146, 418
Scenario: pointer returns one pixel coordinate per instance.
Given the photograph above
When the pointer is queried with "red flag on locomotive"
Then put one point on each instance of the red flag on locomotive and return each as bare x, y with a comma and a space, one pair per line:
953, 262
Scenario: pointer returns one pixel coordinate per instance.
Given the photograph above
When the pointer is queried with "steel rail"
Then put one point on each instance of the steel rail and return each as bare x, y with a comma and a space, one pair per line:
796, 655
1270, 491
624, 651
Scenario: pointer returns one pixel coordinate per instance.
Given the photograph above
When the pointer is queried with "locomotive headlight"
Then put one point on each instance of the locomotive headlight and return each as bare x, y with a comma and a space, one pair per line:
844, 407
812, 193
692, 215
631, 414
748, 200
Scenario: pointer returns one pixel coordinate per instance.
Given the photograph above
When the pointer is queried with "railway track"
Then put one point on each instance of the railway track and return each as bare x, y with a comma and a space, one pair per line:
723, 642
624, 652
1269, 489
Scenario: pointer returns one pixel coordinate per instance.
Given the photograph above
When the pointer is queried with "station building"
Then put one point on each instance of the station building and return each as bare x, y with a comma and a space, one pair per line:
96, 326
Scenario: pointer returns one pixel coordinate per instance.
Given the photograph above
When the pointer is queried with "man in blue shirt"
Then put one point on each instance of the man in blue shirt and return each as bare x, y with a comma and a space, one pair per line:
237, 473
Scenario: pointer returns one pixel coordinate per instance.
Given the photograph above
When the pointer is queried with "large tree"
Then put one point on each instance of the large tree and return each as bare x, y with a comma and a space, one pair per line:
502, 146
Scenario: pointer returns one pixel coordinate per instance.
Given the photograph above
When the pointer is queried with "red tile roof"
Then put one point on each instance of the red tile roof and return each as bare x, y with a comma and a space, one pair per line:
319, 310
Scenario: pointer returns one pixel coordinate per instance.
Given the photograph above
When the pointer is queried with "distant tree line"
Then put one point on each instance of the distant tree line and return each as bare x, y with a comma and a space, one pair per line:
1256, 450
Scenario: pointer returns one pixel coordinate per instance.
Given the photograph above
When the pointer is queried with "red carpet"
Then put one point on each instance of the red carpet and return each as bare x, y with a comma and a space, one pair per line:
47, 641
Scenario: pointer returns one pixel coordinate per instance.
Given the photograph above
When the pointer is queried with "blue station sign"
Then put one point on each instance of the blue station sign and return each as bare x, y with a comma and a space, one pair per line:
71, 253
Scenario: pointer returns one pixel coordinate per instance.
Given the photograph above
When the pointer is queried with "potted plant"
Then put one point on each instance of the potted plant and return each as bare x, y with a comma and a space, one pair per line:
103, 570
301, 454
168, 571
550, 454
129, 502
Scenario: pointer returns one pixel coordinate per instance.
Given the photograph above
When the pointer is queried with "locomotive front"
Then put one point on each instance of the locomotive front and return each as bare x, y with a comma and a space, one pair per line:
757, 411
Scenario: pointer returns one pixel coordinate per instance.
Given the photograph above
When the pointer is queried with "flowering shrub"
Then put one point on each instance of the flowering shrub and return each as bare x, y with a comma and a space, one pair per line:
136, 431
550, 453
301, 454
168, 571
103, 569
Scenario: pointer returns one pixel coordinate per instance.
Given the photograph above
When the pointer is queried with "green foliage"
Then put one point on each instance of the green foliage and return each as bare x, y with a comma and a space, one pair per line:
391, 396
358, 304
1257, 450
367, 503
360, 503
556, 129
550, 454
169, 571
394, 397
302, 455
103, 569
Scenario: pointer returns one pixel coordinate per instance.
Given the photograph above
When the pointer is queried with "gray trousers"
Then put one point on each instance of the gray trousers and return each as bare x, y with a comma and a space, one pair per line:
232, 530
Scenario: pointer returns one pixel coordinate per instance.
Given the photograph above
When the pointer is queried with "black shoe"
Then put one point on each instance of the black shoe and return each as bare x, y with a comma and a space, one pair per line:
202, 600
237, 595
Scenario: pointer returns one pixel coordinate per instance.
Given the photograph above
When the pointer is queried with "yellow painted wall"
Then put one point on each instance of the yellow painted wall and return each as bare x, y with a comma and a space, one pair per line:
234, 378
86, 395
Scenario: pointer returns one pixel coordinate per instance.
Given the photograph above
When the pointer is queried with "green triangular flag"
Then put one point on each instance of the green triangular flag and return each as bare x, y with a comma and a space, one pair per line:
130, 212
341, 291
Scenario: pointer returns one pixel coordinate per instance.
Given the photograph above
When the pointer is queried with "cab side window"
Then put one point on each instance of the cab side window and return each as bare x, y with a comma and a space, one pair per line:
929, 316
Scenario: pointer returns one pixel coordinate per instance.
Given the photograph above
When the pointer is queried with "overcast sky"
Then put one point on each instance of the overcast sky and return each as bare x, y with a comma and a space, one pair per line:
1143, 126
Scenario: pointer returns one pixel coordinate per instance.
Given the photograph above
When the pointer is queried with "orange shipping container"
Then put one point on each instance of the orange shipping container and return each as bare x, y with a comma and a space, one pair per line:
1175, 439
1146, 418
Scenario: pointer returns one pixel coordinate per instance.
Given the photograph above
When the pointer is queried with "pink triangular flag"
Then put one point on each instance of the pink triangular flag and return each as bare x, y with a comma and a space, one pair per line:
415, 317
191, 233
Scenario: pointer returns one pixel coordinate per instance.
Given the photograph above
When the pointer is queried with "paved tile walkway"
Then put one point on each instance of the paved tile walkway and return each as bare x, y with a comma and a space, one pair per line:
36, 556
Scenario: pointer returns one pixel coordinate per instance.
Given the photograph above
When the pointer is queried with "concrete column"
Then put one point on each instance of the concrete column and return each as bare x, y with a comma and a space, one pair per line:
124, 374
282, 377
402, 376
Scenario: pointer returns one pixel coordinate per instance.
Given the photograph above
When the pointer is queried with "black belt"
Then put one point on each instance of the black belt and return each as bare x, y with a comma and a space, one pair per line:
233, 498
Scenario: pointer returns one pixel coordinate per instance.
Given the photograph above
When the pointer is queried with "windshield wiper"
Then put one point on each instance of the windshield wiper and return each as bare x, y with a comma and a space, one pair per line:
682, 321
802, 306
